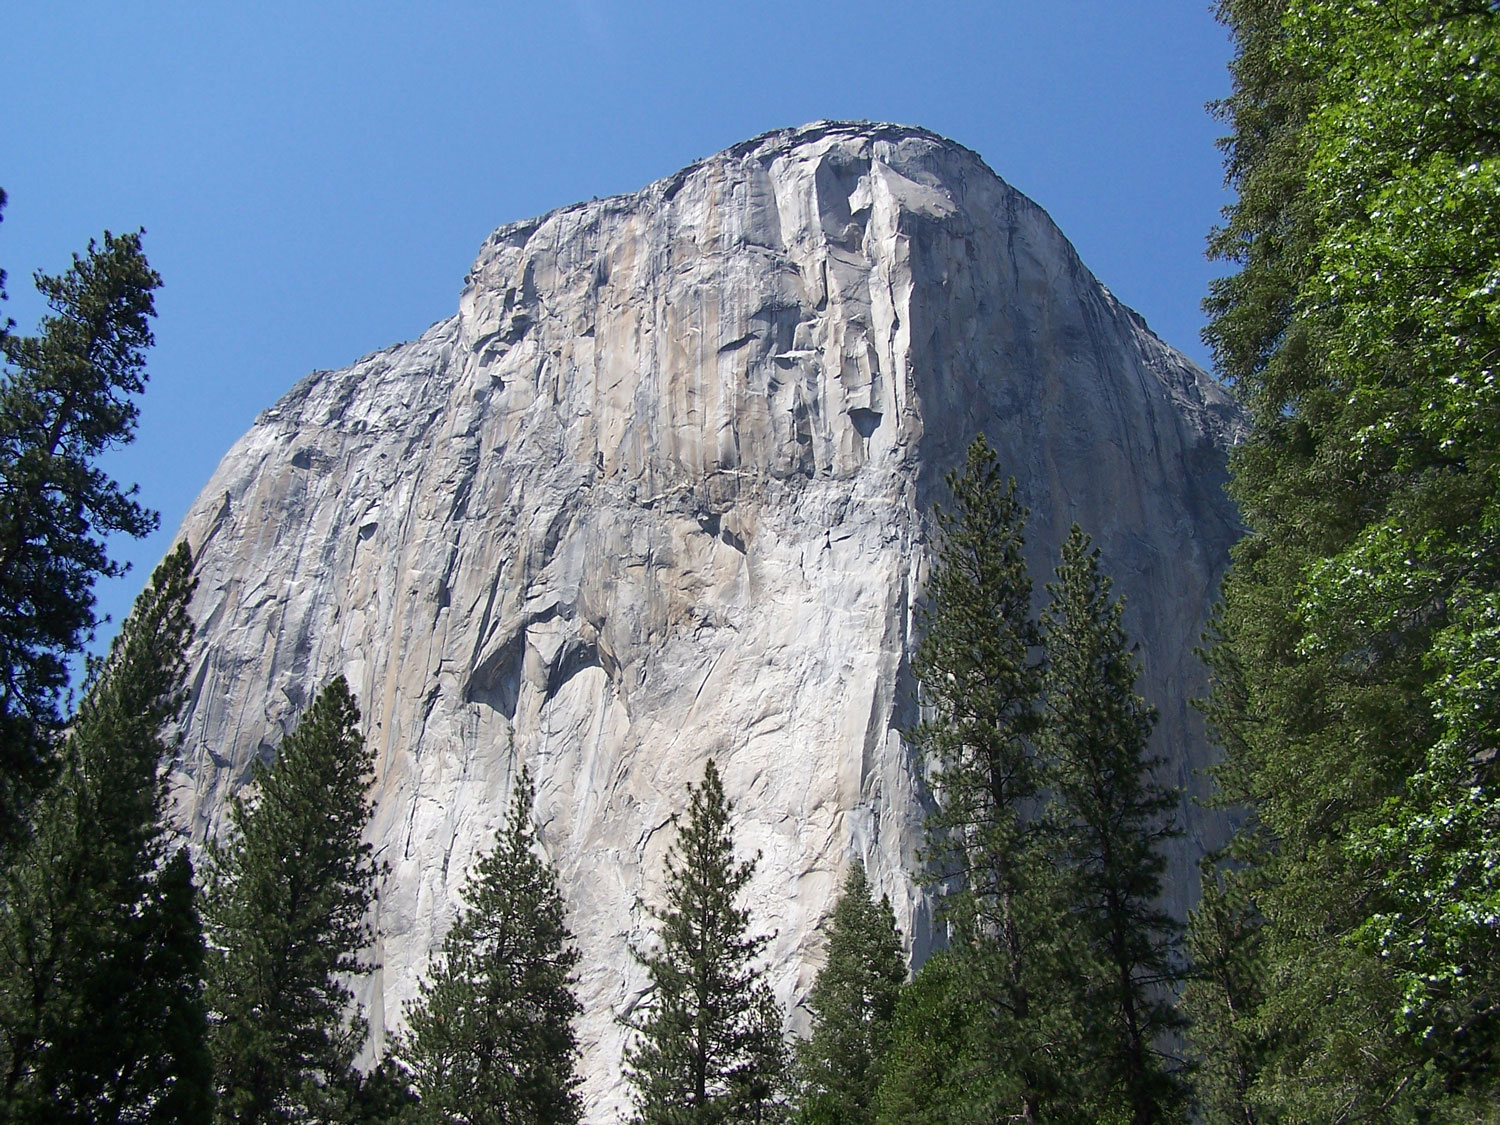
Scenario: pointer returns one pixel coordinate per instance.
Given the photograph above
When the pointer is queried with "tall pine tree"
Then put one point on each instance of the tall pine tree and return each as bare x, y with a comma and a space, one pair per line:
1111, 819
853, 1002
980, 673
490, 1038
67, 395
708, 1044
101, 952
285, 905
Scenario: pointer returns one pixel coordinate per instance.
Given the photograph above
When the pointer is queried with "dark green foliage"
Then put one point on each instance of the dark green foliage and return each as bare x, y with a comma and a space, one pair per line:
979, 666
66, 397
101, 953
1111, 820
935, 1069
1226, 943
490, 1040
708, 1045
1354, 670
853, 1002
285, 904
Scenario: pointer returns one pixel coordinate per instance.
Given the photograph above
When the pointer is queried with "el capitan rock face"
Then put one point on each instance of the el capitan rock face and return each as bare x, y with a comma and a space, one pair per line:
661, 490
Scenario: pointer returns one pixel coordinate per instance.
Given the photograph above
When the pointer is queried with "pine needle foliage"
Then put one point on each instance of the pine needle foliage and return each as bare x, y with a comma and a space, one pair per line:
286, 904
101, 951
1111, 820
490, 1038
1223, 992
853, 1002
67, 396
979, 666
708, 1044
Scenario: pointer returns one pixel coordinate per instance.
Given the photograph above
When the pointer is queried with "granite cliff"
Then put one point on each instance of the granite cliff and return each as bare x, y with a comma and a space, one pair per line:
661, 490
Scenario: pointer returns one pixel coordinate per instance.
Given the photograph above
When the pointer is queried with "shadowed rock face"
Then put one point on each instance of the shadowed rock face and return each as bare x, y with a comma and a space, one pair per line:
661, 490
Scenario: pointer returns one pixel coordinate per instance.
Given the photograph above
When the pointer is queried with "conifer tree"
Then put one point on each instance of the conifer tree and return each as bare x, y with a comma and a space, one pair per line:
708, 1046
980, 673
67, 395
101, 952
1223, 992
853, 1002
490, 1038
1111, 819
285, 905
938, 1067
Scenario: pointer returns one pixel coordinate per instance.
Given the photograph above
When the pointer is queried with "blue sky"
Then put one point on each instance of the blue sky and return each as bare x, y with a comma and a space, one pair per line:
315, 178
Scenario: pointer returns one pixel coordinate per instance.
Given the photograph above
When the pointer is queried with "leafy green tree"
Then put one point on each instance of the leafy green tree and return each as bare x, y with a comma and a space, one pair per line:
490, 1039
101, 952
1111, 820
1354, 668
853, 1002
708, 1045
979, 667
67, 395
286, 904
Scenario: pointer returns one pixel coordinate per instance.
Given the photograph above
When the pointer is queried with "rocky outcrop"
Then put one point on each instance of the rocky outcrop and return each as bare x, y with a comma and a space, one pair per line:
661, 490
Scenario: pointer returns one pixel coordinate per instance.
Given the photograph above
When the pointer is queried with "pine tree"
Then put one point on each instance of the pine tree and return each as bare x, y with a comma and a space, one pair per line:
708, 1046
1111, 819
101, 953
980, 677
937, 1066
285, 905
66, 397
1225, 989
853, 1002
490, 1039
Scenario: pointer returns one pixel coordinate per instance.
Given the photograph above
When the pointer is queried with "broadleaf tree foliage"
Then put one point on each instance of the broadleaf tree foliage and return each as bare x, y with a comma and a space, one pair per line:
1356, 652
490, 1040
67, 395
708, 1043
101, 951
285, 907
938, 1056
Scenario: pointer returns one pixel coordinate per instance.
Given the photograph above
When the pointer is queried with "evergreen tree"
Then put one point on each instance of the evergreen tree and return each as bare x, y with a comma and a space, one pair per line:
1111, 819
937, 1067
708, 1047
1226, 944
101, 953
853, 1002
980, 677
1354, 670
285, 905
490, 1039
66, 397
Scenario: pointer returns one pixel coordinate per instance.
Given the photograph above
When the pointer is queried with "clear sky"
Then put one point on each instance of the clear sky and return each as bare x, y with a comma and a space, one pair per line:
315, 178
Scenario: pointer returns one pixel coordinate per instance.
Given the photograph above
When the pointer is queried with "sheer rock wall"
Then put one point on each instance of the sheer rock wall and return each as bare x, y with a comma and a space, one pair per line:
661, 490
